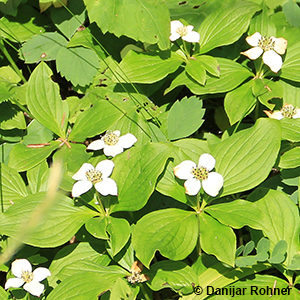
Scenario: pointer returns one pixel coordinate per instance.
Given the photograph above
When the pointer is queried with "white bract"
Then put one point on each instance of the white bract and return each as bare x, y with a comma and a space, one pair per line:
287, 111
178, 30
112, 143
88, 176
270, 47
194, 175
22, 269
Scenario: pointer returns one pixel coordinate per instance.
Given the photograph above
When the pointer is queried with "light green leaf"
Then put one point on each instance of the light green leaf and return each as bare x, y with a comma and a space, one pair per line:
12, 186
239, 102
73, 254
78, 64
136, 172
187, 107
181, 150
44, 101
172, 232
38, 178
291, 66
217, 239
292, 12
196, 70
43, 47
261, 23
88, 283
22, 158
56, 227
223, 27
210, 64
278, 253
122, 290
67, 21
97, 227
239, 158
290, 129
290, 93
37, 134
146, 68
147, 21
119, 232
232, 74
174, 274
290, 159
8, 74
11, 116
95, 120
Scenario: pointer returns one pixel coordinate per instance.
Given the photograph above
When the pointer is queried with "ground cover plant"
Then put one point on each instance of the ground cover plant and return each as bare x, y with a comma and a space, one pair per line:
149, 149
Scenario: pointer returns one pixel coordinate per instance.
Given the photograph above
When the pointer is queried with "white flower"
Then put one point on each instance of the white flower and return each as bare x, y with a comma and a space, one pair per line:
212, 182
22, 269
185, 32
270, 47
287, 111
112, 143
88, 176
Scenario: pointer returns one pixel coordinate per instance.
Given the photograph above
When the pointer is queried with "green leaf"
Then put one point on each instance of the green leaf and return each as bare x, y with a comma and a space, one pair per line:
122, 290
172, 232
261, 23
11, 116
91, 281
291, 66
8, 74
217, 239
12, 186
72, 254
22, 158
249, 247
223, 27
97, 227
232, 74
147, 21
290, 159
147, 68
10, 7
181, 150
26, 24
38, 178
78, 64
239, 158
37, 134
278, 253
210, 64
292, 13
43, 47
191, 107
239, 102
119, 232
56, 227
95, 120
136, 172
44, 101
174, 274
196, 70
290, 129
67, 21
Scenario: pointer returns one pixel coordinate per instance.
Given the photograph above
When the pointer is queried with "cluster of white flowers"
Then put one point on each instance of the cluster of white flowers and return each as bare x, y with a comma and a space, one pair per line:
194, 175
87, 176
22, 270
287, 111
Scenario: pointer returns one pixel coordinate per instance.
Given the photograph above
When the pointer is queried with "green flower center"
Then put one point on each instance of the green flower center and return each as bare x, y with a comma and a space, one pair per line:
27, 276
135, 278
110, 138
93, 176
182, 31
288, 111
200, 173
266, 43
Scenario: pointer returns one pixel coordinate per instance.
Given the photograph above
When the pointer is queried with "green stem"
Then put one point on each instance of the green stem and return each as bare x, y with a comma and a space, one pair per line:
187, 53
100, 204
11, 61
145, 292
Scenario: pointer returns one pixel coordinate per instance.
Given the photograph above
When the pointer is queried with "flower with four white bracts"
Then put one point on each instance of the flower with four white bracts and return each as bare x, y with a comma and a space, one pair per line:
178, 30
194, 175
22, 269
112, 143
270, 47
88, 176
287, 111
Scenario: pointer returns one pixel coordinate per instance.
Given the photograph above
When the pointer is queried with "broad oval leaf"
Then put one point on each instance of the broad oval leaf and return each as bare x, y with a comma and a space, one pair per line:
290, 159
246, 158
291, 66
44, 101
223, 27
143, 20
173, 232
